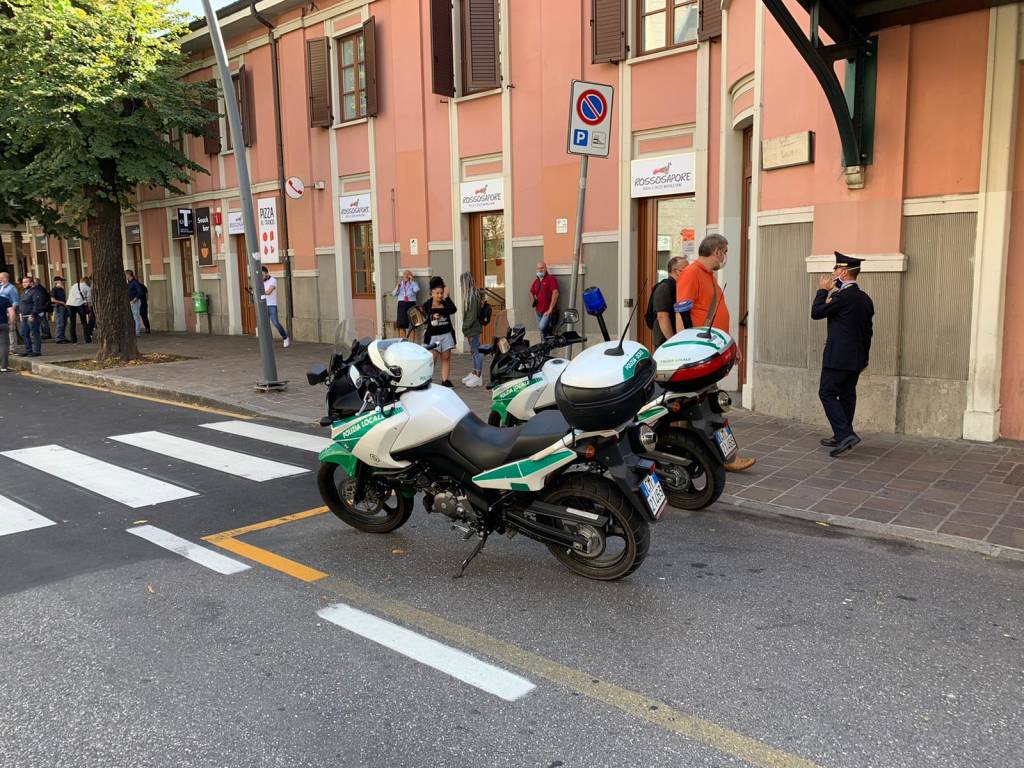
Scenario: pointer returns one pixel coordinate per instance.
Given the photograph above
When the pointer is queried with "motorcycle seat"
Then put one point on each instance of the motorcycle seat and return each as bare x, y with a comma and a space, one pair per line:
487, 447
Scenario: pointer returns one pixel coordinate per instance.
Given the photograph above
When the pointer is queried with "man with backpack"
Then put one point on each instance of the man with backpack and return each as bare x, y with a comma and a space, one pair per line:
659, 315
44, 319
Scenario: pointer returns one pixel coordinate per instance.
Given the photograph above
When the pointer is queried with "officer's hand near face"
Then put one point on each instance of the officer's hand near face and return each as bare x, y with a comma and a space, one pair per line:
827, 282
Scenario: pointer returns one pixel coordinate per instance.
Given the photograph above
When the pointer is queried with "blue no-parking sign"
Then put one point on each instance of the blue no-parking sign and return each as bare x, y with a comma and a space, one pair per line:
590, 113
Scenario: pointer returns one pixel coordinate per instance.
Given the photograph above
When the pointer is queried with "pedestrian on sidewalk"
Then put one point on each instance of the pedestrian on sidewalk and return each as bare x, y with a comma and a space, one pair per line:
544, 295
472, 328
29, 309
438, 310
662, 301
270, 296
135, 294
848, 312
59, 299
79, 299
406, 291
9, 291
144, 305
698, 284
44, 319
6, 321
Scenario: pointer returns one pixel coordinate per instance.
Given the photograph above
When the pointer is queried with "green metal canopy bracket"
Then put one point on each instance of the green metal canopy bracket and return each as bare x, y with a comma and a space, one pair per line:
854, 107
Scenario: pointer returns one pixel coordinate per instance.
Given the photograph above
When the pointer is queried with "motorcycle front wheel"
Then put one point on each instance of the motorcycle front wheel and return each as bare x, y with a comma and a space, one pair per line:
620, 546
694, 487
381, 511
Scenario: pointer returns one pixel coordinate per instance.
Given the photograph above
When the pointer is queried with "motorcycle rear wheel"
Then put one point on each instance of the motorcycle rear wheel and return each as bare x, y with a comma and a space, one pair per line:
382, 511
626, 537
705, 480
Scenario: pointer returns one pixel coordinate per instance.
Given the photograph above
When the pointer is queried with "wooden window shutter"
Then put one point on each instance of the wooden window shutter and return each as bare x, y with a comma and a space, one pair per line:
709, 24
480, 66
607, 31
211, 134
318, 75
441, 47
370, 65
246, 106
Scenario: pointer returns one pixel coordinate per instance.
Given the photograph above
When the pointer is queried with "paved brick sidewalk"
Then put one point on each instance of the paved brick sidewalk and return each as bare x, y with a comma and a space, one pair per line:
954, 492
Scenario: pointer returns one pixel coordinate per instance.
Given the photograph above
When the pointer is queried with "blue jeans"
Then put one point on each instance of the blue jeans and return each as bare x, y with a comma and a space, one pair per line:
474, 348
60, 315
136, 316
31, 335
272, 311
543, 324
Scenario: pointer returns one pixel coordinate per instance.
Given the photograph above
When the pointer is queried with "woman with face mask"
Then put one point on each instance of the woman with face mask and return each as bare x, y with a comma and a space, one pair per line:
406, 291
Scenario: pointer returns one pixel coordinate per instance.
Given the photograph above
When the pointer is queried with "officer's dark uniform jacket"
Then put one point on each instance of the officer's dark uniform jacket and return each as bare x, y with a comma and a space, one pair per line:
849, 317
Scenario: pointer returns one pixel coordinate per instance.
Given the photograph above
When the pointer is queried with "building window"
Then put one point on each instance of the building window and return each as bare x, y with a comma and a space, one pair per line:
360, 243
478, 51
666, 24
242, 83
352, 76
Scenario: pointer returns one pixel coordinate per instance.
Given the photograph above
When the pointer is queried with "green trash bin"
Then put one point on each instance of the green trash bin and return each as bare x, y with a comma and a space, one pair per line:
199, 302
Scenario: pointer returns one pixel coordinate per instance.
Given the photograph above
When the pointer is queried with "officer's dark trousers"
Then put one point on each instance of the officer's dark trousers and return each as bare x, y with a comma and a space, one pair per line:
838, 393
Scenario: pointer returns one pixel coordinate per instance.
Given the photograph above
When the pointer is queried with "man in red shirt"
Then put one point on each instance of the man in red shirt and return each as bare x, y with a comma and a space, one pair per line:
697, 283
544, 293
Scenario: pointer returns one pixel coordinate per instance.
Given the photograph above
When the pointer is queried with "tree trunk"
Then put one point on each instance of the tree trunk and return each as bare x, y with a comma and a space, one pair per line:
115, 327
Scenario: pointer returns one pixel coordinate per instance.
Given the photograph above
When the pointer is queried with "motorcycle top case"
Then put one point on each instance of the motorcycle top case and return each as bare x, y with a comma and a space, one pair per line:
694, 359
600, 391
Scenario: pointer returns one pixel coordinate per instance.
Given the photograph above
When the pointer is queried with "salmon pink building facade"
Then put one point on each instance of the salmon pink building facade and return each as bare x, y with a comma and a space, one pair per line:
431, 135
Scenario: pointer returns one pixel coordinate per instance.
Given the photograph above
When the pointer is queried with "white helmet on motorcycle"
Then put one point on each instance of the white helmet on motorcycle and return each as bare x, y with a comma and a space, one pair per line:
411, 363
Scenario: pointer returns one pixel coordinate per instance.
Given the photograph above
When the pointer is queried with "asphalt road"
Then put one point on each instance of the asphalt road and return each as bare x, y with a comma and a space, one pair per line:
739, 641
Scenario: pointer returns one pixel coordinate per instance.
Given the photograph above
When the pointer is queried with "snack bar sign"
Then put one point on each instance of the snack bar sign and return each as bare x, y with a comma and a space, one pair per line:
355, 208
666, 175
485, 195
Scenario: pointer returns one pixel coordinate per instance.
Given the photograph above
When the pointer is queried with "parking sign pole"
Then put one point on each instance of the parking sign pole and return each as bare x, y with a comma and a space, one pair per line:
270, 380
577, 243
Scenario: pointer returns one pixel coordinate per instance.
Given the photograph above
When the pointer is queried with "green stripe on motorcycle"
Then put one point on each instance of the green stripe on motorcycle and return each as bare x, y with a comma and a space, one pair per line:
524, 468
652, 412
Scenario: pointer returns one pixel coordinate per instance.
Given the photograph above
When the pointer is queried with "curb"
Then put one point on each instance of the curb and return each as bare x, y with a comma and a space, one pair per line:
872, 528
60, 373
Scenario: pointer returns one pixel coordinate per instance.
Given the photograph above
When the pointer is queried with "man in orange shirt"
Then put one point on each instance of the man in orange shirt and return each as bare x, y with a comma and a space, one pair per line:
698, 284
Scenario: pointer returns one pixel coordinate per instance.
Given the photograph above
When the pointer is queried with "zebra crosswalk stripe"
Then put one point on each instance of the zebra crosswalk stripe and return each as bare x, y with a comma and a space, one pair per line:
14, 518
215, 561
210, 456
283, 437
122, 485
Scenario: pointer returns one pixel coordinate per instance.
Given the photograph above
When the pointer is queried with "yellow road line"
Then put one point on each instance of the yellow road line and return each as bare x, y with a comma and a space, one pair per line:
137, 396
269, 559
630, 702
268, 524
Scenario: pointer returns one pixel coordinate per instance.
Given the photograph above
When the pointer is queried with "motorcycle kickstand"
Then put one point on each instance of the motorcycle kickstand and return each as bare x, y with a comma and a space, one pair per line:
472, 555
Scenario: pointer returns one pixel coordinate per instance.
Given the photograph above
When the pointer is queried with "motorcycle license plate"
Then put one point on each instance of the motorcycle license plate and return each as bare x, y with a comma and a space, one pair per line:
654, 495
726, 442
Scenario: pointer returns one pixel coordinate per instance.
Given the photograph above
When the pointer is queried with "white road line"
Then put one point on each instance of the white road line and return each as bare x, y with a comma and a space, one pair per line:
15, 518
275, 435
114, 482
231, 462
443, 658
215, 561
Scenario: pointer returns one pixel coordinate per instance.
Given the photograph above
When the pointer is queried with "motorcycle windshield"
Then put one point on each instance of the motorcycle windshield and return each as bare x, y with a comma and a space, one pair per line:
344, 339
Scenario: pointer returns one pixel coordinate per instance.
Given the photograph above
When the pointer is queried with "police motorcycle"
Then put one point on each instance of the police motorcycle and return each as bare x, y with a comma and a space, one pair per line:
687, 410
580, 483
523, 376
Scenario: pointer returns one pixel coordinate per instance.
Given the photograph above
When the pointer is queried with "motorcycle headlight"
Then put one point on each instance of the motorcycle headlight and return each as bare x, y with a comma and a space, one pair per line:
648, 437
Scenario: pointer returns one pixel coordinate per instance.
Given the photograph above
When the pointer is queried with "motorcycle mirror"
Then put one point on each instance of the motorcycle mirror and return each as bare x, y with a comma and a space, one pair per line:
416, 317
317, 374
571, 316
503, 346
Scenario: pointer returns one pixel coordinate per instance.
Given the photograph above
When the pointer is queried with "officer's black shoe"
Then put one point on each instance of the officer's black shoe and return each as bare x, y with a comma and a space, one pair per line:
843, 446
829, 442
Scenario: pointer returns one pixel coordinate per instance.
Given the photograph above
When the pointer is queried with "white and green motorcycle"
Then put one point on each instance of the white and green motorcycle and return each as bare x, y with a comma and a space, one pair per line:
580, 483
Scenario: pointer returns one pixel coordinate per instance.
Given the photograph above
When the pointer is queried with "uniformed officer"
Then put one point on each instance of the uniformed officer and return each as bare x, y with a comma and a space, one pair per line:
849, 312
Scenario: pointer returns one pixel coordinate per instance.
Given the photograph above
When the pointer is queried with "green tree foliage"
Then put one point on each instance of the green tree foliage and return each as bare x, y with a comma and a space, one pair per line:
90, 91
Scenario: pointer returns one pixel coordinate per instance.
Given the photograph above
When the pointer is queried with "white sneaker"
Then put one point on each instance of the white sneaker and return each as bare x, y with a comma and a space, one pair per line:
287, 342
474, 381
467, 377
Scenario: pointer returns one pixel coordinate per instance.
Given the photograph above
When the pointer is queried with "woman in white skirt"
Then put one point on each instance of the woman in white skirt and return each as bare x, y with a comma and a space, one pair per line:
438, 311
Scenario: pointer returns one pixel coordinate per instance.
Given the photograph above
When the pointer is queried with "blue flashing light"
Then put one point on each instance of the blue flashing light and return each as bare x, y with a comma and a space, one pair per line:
594, 301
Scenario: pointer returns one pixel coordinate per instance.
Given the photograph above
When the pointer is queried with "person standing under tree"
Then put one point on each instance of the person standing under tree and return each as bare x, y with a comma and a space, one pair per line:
438, 310
848, 312
406, 291
472, 328
31, 308
135, 294
10, 291
59, 299
6, 321
697, 283
270, 296
79, 299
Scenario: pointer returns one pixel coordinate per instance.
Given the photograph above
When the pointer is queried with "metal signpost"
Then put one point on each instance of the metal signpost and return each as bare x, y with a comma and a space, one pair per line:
270, 380
590, 120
